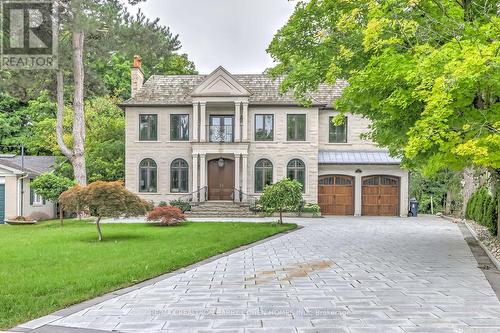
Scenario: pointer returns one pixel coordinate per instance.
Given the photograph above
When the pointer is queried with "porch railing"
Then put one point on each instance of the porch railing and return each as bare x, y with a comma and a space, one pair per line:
200, 195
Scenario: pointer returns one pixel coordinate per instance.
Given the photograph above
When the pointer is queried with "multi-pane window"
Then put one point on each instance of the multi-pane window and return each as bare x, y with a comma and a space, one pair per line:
148, 127
35, 198
263, 174
148, 176
179, 170
296, 127
179, 127
296, 169
338, 134
264, 124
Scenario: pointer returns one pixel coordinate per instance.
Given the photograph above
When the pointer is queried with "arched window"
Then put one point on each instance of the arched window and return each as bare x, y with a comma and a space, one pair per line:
179, 170
148, 176
296, 169
263, 174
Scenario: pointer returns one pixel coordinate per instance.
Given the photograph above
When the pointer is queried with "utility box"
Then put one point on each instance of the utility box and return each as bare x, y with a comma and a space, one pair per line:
413, 208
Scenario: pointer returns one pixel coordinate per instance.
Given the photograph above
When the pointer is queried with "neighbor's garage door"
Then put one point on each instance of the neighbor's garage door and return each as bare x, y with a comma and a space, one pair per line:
336, 195
380, 196
2, 203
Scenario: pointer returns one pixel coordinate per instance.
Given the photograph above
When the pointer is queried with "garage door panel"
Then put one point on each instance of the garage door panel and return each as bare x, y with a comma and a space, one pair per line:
336, 195
380, 195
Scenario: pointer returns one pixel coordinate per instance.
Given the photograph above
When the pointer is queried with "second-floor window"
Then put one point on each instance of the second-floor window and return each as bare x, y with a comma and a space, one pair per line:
179, 127
338, 134
148, 127
264, 127
296, 127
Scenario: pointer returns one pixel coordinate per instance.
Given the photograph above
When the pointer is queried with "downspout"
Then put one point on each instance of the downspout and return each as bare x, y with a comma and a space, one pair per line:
21, 208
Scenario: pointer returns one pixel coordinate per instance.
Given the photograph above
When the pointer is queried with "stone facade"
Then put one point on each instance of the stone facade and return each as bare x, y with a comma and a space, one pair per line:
242, 98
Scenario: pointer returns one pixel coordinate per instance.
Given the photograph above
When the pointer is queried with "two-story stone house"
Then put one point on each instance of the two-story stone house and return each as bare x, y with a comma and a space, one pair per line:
224, 137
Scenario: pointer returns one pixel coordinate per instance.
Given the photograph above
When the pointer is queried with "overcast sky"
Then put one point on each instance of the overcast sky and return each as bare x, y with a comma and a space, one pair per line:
231, 33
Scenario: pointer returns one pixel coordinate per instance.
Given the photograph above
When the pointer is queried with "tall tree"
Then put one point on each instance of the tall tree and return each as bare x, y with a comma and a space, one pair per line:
425, 72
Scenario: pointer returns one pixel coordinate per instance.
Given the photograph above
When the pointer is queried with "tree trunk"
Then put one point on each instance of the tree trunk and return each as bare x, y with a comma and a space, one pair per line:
469, 186
281, 216
76, 155
78, 160
447, 209
61, 216
98, 226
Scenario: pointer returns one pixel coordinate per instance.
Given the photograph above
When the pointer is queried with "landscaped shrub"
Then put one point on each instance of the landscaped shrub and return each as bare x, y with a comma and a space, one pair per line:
184, 206
103, 199
166, 215
311, 208
280, 196
482, 208
162, 204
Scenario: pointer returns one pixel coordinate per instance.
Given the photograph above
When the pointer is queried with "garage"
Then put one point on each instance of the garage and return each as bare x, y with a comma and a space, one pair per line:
380, 195
336, 195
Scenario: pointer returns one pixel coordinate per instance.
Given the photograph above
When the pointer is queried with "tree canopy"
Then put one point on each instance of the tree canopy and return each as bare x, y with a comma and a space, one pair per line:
426, 73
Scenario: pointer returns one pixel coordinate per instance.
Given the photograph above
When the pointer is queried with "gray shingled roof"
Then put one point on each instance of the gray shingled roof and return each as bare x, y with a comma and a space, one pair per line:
177, 89
32, 164
356, 157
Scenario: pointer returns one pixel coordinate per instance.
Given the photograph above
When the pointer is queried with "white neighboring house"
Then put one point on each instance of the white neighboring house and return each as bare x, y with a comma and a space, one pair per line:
16, 196
213, 137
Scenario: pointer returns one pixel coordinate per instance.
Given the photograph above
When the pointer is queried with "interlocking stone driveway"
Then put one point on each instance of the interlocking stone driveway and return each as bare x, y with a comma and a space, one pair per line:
342, 274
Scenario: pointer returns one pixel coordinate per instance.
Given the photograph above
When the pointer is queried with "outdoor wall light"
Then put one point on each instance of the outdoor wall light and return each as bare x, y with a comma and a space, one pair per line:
220, 162
358, 171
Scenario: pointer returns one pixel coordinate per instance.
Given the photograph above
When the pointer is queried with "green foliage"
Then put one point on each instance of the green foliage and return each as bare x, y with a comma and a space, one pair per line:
424, 72
50, 186
105, 139
440, 185
183, 205
280, 196
482, 208
162, 204
311, 208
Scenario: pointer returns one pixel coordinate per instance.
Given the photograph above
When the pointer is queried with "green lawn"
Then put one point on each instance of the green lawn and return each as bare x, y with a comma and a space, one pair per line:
45, 267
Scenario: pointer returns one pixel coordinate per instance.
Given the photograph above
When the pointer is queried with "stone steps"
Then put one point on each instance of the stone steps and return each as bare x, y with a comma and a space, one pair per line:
223, 209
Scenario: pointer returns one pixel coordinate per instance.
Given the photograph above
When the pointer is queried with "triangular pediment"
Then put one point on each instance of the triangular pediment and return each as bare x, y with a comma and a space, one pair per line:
220, 83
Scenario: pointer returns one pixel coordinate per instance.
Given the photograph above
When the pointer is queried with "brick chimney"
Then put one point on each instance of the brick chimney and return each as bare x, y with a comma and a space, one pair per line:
136, 75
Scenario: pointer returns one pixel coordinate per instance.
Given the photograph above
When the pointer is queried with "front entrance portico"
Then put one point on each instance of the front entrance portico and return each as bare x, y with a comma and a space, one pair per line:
213, 166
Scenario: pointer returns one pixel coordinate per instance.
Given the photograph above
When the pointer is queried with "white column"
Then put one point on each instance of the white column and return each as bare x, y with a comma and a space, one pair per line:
203, 176
195, 177
357, 194
237, 121
203, 107
244, 187
237, 177
245, 122
195, 122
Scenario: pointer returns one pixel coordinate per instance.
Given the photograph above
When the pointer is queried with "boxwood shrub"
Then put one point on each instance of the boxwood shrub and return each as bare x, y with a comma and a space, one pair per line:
482, 208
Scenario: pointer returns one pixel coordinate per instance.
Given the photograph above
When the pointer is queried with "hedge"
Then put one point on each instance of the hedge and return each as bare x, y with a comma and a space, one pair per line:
482, 208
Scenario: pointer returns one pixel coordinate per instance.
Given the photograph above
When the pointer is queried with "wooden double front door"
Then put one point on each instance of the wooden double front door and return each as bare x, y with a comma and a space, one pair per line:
336, 195
220, 179
380, 196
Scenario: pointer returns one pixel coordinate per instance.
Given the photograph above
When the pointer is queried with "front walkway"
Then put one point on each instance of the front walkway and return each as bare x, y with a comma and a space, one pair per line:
342, 274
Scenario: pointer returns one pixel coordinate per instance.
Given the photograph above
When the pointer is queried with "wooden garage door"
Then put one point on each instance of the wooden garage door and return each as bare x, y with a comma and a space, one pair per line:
336, 195
380, 196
